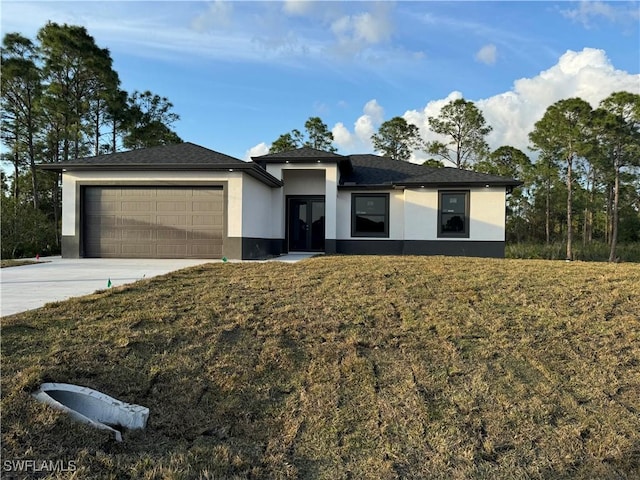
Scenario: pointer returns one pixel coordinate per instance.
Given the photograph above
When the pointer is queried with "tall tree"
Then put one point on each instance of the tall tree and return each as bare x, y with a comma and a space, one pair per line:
287, 141
617, 126
464, 125
397, 139
511, 162
150, 118
564, 132
77, 72
21, 93
318, 136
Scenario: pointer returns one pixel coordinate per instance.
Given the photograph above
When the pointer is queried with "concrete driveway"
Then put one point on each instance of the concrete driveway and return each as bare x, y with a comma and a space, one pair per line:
55, 278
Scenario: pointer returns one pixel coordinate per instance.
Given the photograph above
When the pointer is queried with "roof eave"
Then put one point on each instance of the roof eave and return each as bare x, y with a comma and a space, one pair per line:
251, 169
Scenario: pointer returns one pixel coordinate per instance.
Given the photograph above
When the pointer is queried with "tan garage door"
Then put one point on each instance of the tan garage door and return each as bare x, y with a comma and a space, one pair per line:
153, 222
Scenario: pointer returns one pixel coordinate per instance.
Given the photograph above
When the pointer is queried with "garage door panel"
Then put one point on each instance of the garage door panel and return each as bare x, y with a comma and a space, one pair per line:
204, 235
175, 206
135, 221
137, 235
171, 220
171, 234
142, 250
172, 250
206, 251
136, 206
148, 222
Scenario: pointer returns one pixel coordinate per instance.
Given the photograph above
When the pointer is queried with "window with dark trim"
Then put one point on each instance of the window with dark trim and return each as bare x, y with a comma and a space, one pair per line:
453, 214
369, 214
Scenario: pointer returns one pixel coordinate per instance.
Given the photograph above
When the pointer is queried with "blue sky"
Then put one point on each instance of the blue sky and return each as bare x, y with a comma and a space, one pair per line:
241, 73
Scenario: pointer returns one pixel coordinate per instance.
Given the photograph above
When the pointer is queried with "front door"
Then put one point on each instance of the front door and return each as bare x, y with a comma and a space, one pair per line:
305, 226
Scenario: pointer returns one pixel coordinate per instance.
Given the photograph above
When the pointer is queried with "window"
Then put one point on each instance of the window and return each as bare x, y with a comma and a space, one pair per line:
453, 214
370, 215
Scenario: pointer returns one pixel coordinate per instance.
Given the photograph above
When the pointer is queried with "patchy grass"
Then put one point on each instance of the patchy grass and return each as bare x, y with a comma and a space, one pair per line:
343, 367
16, 263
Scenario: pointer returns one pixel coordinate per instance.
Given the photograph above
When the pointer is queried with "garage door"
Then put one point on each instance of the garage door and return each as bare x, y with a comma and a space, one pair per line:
153, 222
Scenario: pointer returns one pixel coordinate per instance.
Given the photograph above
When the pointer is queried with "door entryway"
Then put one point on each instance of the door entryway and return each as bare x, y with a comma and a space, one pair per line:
305, 225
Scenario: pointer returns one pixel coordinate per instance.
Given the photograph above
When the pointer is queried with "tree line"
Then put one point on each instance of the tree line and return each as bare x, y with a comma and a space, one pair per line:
61, 100
583, 182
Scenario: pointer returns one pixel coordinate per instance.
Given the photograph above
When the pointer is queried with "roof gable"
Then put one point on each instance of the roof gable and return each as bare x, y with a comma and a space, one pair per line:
304, 154
175, 154
175, 157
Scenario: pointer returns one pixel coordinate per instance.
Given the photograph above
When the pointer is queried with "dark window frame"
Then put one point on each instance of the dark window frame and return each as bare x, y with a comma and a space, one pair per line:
467, 214
354, 230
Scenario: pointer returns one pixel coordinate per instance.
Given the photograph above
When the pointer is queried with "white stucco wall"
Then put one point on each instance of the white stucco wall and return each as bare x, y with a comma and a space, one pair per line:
488, 214
414, 214
257, 209
233, 179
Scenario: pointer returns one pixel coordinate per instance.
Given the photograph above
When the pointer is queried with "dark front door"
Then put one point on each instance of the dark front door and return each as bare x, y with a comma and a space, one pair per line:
306, 224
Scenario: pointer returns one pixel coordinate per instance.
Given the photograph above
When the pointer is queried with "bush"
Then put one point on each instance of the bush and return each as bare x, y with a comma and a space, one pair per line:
26, 231
591, 252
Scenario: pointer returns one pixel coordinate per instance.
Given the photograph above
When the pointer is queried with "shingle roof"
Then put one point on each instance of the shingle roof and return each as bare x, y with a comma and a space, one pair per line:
179, 156
370, 170
176, 154
302, 154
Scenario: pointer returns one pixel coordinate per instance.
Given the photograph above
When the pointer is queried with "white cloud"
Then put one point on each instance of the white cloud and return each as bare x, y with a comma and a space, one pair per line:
297, 7
366, 125
354, 33
373, 109
487, 54
588, 11
257, 150
218, 15
587, 74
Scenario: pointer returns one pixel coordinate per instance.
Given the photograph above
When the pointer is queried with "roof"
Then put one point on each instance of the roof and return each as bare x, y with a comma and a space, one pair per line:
375, 171
179, 156
304, 154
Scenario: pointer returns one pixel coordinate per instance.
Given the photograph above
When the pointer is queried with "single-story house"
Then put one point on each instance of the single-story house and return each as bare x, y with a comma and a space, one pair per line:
186, 201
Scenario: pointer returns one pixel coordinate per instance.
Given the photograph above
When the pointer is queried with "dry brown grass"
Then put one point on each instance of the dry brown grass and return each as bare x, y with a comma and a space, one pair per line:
343, 367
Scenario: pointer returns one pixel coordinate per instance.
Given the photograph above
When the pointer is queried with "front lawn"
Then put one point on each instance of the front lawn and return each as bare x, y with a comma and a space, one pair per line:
342, 367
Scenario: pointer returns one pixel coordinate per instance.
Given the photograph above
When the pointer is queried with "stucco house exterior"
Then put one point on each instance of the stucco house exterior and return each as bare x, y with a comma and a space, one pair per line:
186, 201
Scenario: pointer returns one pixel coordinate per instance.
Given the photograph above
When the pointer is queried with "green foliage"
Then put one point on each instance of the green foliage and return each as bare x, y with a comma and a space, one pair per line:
465, 127
318, 137
148, 121
564, 133
286, 142
591, 252
397, 139
432, 162
61, 100
26, 231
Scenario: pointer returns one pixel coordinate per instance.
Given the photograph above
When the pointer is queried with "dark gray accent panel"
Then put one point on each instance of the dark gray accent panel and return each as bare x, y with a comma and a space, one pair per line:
70, 246
330, 246
467, 248
259, 248
369, 247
